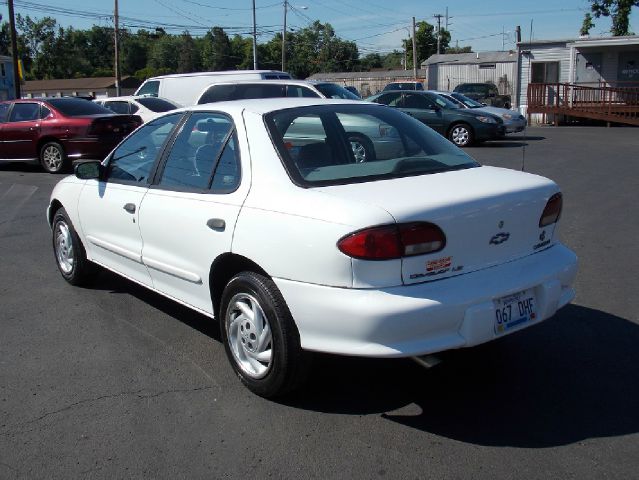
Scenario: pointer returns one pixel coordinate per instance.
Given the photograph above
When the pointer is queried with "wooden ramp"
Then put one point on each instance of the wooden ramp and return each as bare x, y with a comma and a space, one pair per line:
611, 104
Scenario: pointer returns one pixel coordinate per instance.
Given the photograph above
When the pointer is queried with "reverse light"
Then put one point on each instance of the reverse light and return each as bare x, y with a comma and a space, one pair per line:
552, 211
389, 242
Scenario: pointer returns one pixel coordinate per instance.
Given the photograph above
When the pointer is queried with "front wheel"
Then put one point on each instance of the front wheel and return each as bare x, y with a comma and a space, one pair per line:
69, 251
260, 336
52, 157
461, 135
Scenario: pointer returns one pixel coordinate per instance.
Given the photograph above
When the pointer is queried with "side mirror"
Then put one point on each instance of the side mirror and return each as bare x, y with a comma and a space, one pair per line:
88, 170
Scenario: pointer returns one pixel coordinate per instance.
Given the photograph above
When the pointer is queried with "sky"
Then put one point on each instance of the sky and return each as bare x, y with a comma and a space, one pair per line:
375, 25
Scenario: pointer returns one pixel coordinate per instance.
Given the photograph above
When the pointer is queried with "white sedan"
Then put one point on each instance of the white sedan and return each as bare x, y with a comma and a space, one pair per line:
294, 246
146, 107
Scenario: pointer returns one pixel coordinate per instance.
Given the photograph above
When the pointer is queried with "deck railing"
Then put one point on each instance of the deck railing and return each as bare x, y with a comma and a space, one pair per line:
612, 104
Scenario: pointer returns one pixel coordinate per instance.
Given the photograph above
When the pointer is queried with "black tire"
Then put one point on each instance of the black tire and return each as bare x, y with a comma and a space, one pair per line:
461, 134
362, 147
53, 158
69, 252
287, 365
507, 106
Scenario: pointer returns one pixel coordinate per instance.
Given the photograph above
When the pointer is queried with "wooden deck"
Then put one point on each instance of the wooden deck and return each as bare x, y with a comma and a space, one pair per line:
611, 104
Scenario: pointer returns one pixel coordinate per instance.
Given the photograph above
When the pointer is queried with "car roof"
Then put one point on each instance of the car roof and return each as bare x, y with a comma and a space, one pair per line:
222, 72
275, 81
262, 106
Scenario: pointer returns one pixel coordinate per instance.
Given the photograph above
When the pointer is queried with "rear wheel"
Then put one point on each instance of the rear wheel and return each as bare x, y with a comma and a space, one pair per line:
461, 135
363, 150
52, 157
260, 336
69, 252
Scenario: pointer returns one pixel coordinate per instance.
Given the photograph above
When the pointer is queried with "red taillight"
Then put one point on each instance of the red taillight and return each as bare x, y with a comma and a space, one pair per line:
393, 241
552, 211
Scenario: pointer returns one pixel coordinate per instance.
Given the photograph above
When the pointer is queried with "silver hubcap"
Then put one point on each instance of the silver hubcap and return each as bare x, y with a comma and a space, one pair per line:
359, 151
460, 135
64, 247
249, 335
52, 157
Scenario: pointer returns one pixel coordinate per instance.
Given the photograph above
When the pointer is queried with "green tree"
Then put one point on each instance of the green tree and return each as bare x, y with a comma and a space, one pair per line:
393, 60
165, 53
216, 50
370, 61
188, 56
426, 41
466, 49
619, 10
586, 25
5, 39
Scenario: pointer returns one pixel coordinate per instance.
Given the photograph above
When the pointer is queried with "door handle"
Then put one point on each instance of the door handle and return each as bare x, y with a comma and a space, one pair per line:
129, 207
216, 224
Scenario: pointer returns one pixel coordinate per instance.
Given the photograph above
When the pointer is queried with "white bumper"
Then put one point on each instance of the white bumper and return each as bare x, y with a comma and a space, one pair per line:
428, 317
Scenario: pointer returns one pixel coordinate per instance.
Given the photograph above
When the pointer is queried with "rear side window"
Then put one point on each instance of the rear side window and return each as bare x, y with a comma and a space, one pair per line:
23, 112
151, 87
118, 106
75, 107
44, 112
204, 155
4, 109
299, 91
221, 93
157, 105
330, 90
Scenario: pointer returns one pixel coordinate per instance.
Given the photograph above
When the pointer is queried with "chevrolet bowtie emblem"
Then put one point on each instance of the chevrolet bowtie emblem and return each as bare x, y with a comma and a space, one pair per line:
501, 237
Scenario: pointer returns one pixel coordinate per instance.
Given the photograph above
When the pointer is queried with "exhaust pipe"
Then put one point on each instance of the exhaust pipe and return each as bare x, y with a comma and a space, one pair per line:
427, 361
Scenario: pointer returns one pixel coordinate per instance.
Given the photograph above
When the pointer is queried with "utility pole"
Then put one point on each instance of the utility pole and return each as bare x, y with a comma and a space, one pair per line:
439, 28
284, 38
254, 40
116, 22
503, 39
14, 50
414, 52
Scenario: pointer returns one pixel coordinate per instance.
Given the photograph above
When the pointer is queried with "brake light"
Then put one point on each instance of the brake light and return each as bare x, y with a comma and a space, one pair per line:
389, 242
552, 211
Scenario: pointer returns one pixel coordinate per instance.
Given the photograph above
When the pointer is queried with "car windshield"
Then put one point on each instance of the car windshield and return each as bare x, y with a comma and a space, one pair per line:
445, 102
330, 90
75, 107
319, 146
469, 102
157, 104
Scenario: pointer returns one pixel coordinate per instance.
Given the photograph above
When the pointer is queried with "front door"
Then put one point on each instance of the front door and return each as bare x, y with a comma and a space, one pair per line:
423, 109
188, 216
588, 68
20, 132
109, 208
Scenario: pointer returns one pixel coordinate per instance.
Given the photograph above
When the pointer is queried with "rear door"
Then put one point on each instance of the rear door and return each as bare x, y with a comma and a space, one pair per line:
188, 216
20, 133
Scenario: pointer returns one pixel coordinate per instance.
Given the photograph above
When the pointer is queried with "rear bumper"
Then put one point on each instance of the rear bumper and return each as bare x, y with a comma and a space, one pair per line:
428, 317
89, 148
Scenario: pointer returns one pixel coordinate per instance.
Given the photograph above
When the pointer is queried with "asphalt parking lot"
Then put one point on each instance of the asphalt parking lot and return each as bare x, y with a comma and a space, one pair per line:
116, 382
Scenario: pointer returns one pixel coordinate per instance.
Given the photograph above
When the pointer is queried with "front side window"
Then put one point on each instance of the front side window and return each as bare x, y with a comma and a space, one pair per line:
204, 155
134, 158
412, 100
150, 87
316, 145
23, 112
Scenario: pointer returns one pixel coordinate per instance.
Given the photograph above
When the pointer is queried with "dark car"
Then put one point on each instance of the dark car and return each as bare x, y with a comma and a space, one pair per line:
404, 86
460, 125
56, 131
353, 90
486, 93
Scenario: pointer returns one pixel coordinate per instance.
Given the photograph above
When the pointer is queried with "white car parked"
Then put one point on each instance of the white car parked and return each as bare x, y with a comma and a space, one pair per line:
146, 107
294, 246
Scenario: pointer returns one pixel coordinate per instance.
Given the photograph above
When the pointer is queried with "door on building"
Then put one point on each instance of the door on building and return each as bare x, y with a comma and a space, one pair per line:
588, 68
546, 72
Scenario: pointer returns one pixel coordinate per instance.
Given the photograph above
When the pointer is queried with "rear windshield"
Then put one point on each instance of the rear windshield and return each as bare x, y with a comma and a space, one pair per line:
338, 144
157, 104
74, 107
330, 90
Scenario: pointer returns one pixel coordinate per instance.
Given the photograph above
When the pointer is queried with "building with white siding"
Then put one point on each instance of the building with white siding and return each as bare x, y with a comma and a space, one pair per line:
595, 62
369, 83
446, 71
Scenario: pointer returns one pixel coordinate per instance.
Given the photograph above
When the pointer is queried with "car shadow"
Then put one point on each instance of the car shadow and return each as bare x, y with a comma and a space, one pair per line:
20, 167
568, 379
571, 378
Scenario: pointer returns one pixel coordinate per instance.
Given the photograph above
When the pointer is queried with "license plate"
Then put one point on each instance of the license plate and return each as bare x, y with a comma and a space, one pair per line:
515, 310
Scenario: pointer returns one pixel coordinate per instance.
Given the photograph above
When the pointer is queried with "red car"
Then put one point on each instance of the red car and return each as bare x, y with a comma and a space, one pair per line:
56, 131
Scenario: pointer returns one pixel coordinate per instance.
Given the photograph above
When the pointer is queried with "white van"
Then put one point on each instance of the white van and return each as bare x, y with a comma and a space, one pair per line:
184, 88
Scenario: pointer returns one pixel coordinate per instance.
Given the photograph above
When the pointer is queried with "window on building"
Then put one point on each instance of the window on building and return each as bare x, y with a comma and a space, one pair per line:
544, 72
